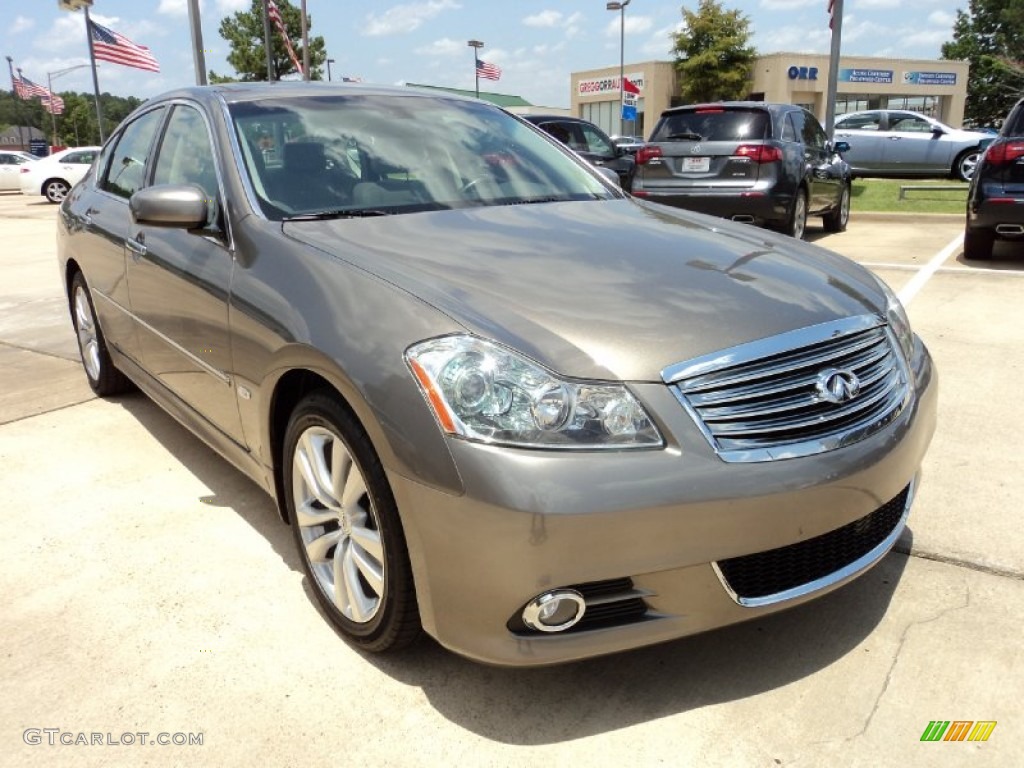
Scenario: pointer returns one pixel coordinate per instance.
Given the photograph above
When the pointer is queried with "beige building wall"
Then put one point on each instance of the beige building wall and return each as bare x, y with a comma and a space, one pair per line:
935, 87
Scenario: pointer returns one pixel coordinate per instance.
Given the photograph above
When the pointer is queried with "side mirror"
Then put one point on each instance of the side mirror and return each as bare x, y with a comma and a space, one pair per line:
937, 130
174, 205
841, 146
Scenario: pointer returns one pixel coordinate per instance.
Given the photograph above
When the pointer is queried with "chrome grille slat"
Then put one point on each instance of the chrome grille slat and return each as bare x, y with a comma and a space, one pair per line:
762, 400
781, 365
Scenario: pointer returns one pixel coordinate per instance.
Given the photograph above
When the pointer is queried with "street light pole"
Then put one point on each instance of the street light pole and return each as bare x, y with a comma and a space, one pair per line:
50, 76
329, 62
621, 8
476, 45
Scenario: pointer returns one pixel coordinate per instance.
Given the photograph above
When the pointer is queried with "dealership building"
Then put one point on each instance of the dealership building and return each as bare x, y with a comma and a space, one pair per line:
934, 87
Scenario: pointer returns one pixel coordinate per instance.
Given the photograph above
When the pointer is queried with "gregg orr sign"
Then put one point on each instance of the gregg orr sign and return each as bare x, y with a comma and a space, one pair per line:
600, 85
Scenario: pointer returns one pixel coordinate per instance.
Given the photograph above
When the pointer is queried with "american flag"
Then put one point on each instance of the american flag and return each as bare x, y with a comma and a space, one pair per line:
26, 89
108, 45
275, 16
487, 71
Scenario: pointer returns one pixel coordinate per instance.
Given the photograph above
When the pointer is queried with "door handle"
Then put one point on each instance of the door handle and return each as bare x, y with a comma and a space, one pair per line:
138, 249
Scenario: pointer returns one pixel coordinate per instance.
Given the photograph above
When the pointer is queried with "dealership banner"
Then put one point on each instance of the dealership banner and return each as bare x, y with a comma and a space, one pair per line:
929, 78
865, 75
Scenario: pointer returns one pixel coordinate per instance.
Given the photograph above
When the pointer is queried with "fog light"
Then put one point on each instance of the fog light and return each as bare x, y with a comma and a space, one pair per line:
554, 611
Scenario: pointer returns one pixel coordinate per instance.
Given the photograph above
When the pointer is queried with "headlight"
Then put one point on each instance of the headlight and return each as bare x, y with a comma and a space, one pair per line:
898, 321
481, 391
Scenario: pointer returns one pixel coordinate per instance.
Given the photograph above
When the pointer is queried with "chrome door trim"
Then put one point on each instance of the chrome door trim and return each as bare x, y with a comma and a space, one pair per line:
222, 377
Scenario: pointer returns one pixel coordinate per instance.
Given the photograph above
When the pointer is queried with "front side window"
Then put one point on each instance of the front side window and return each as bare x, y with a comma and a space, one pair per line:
868, 122
80, 158
388, 154
596, 142
186, 156
127, 168
910, 123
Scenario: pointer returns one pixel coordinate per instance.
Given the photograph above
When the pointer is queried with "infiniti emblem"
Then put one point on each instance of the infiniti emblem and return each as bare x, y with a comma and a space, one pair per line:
695, 149
837, 386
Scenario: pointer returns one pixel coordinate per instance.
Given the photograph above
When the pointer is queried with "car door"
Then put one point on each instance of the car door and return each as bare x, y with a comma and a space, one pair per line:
914, 145
821, 172
105, 223
864, 132
10, 169
179, 280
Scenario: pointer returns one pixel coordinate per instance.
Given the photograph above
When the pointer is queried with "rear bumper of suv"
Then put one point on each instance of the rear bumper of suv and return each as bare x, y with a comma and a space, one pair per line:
752, 205
1002, 214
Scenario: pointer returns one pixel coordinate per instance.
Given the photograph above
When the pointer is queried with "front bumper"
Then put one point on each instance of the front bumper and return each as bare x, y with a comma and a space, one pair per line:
530, 521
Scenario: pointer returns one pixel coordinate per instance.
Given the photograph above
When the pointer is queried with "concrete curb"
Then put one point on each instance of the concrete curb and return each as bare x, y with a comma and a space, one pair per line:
890, 216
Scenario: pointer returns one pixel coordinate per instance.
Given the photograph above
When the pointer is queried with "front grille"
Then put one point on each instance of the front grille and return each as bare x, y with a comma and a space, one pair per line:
610, 603
764, 400
777, 570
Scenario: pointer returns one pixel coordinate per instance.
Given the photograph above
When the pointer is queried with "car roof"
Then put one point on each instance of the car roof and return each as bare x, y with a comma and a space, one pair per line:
233, 93
767, 106
553, 118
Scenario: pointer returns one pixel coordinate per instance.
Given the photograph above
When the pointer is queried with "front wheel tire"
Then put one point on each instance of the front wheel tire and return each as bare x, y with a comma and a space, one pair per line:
104, 378
966, 164
346, 526
56, 190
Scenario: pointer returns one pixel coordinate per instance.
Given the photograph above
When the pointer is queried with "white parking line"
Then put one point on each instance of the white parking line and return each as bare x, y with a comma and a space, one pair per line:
973, 270
911, 289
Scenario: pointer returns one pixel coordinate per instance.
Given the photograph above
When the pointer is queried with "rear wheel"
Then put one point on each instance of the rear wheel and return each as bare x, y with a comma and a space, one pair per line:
104, 378
966, 163
56, 190
978, 243
797, 222
837, 219
346, 526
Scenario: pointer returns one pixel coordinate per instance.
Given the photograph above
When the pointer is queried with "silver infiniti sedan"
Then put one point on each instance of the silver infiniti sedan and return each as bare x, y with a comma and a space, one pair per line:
496, 399
894, 142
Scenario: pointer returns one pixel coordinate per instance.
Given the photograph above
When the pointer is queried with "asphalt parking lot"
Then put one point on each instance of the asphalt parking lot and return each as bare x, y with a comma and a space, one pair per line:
151, 589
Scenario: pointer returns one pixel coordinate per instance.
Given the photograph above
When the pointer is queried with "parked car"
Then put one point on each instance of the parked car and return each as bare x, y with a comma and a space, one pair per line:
10, 168
495, 397
589, 141
629, 144
53, 176
765, 164
995, 200
894, 142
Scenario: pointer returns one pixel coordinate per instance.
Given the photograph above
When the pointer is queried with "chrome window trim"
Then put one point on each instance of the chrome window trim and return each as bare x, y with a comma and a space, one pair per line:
836, 577
222, 377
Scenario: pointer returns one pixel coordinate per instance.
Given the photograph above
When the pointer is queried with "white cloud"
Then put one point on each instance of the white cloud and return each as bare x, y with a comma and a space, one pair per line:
405, 18
796, 39
180, 7
544, 19
443, 47
659, 46
21, 24
791, 5
173, 7
942, 19
879, 4
633, 24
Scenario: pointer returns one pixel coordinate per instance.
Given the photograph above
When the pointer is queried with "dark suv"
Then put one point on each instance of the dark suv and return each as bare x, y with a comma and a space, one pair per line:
995, 200
767, 164
588, 141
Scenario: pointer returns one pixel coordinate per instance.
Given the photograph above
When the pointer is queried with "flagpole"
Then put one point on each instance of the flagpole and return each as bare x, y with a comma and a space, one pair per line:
17, 97
53, 114
95, 77
476, 45
268, 43
836, 6
305, 43
198, 55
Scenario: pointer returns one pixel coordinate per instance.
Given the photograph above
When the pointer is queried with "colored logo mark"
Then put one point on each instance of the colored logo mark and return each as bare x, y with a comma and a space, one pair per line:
958, 730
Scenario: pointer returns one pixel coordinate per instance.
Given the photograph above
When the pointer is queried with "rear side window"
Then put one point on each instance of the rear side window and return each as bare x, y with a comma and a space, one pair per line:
1015, 122
713, 125
868, 122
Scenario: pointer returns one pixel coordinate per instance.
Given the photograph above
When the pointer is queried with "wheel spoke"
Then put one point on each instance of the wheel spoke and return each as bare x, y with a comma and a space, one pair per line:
307, 516
354, 490
369, 542
317, 549
341, 469
371, 568
342, 598
360, 605
313, 466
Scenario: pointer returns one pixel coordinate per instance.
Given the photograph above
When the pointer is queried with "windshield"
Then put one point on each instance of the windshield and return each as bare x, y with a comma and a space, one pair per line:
386, 154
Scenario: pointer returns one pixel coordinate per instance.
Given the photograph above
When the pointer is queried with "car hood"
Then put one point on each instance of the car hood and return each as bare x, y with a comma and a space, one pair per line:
605, 289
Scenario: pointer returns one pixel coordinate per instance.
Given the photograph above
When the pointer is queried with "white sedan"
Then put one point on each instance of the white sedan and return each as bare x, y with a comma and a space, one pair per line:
10, 165
55, 175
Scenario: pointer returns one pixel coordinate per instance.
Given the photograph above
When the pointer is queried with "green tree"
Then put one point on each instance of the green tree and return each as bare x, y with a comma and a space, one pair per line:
713, 56
990, 35
244, 33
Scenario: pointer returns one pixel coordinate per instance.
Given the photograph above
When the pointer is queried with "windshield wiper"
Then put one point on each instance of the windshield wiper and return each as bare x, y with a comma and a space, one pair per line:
532, 200
684, 135
341, 213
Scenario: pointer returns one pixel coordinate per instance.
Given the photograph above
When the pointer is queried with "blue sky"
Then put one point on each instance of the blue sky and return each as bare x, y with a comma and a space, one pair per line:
537, 43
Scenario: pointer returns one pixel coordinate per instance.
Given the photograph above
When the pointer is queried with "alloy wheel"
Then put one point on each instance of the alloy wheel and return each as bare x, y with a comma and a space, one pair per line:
88, 340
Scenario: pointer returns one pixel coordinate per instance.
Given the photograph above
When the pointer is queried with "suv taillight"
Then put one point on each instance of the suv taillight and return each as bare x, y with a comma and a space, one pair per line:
1004, 152
646, 152
759, 153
